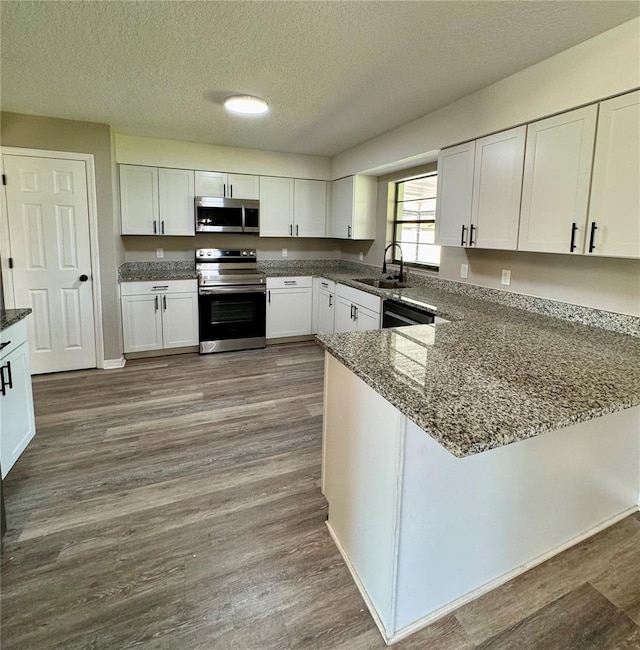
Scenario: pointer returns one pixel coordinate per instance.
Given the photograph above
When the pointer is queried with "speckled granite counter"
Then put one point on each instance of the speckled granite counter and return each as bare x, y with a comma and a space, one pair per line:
9, 317
156, 271
499, 376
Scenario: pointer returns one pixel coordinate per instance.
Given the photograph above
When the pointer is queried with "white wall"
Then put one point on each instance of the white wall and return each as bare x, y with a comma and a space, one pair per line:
134, 150
605, 65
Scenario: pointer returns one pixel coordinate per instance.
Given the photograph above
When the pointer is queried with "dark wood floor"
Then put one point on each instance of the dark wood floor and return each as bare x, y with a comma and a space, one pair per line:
175, 504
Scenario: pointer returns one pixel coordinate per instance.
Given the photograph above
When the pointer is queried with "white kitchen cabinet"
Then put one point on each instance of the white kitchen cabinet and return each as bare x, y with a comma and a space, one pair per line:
309, 208
276, 206
159, 315
454, 194
497, 190
615, 189
292, 207
353, 208
224, 185
326, 306
479, 191
156, 201
355, 310
17, 420
176, 194
289, 306
555, 188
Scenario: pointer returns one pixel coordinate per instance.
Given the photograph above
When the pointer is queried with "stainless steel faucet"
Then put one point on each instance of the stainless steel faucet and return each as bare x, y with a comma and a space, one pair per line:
400, 275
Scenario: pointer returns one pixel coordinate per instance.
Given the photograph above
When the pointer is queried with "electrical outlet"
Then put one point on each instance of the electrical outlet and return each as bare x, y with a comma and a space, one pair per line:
506, 277
285, 252
361, 256
464, 271
159, 252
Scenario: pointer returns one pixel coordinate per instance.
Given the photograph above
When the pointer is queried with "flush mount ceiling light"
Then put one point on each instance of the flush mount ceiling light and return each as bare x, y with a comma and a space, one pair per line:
246, 105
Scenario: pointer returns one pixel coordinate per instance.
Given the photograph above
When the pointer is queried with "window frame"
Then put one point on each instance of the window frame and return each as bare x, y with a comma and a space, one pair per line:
396, 221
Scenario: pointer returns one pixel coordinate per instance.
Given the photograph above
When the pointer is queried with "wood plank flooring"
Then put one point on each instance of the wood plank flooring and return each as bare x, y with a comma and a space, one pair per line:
175, 504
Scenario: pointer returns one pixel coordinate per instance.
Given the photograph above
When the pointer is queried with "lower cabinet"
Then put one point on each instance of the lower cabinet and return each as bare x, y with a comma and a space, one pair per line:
355, 311
289, 306
159, 315
326, 306
17, 421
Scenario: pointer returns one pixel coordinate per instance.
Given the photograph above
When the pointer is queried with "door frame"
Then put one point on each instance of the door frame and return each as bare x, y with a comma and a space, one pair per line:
92, 205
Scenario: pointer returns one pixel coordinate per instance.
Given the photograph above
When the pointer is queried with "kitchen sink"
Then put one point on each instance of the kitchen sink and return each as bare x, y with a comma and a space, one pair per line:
382, 284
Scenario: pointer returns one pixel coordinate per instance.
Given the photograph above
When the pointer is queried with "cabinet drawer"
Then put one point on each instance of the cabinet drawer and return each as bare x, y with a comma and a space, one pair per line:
327, 285
362, 298
168, 286
293, 281
12, 337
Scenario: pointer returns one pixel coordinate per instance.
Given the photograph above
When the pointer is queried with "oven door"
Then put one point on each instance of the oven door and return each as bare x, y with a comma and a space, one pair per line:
232, 313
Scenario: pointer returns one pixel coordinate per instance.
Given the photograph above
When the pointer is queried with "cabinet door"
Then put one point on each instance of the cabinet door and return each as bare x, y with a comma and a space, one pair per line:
243, 186
179, 319
344, 321
176, 193
555, 188
615, 188
289, 312
326, 309
139, 210
142, 323
17, 421
497, 189
365, 199
276, 206
310, 208
366, 319
455, 192
342, 208
210, 184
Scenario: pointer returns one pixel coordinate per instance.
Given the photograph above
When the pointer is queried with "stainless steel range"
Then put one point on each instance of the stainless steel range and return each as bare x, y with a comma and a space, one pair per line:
231, 300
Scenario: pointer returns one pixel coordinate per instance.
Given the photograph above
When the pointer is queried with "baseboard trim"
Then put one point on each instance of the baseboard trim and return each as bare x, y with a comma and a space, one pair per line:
113, 364
430, 618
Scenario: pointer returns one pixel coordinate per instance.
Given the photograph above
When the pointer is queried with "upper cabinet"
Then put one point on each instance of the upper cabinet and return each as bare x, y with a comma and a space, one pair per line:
455, 192
557, 175
292, 207
614, 210
156, 201
353, 208
479, 188
231, 186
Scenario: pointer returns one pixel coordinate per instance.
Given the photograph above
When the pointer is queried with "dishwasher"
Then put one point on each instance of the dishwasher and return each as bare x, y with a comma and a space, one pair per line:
400, 313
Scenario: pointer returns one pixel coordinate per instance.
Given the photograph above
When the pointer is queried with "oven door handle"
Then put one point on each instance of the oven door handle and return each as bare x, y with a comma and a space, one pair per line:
212, 291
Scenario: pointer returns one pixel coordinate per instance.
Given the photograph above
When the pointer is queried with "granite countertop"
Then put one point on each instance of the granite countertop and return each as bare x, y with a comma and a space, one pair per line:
9, 317
498, 376
156, 271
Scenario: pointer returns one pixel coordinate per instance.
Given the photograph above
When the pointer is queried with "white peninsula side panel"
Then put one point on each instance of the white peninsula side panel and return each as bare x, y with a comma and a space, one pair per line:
423, 531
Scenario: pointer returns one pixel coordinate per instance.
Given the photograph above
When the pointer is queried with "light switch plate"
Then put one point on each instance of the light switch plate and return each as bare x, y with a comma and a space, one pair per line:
159, 252
464, 271
506, 277
285, 252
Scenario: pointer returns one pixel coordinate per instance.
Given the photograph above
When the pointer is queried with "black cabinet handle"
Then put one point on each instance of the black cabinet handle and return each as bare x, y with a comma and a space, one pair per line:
349, 232
224, 189
351, 312
592, 237
230, 191
356, 310
4, 345
8, 383
463, 237
290, 230
330, 300
269, 297
164, 302
84, 278
155, 227
471, 229
574, 228
297, 230
162, 226
156, 301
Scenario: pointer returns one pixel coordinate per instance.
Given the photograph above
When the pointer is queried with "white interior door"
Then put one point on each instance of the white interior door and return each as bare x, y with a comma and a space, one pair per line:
48, 216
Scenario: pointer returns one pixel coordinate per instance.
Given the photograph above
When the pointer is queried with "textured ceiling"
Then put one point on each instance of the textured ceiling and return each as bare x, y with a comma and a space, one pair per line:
334, 73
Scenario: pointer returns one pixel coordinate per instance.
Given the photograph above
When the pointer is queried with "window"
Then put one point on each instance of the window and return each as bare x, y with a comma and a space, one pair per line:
415, 220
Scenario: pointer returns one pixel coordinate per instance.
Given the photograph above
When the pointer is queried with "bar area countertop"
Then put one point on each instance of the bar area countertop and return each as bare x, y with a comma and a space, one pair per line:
9, 317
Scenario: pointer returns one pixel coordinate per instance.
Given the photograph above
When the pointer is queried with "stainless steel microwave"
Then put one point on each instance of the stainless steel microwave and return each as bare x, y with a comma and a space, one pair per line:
227, 215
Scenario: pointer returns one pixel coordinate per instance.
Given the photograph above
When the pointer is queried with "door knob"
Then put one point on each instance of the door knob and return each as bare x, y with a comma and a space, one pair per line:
84, 278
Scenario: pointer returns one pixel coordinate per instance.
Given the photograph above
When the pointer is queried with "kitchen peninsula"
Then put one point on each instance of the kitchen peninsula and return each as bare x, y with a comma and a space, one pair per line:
457, 455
